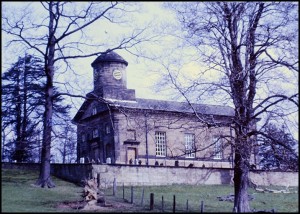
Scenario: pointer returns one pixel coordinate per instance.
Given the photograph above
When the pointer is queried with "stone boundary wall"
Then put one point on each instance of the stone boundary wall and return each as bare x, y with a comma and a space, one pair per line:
70, 172
23, 166
158, 175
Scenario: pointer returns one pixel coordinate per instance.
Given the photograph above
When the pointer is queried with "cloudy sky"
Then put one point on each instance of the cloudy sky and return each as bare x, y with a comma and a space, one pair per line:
142, 74
139, 76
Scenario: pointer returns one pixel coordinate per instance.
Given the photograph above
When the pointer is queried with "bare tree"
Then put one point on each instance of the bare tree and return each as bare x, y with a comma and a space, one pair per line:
66, 141
59, 35
248, 48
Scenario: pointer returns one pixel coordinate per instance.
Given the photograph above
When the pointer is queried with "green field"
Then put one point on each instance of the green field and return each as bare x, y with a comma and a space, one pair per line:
280, 202
19, 195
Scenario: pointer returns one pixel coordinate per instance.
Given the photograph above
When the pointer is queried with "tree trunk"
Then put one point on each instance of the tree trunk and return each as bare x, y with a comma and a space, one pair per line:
44, 178
241, 175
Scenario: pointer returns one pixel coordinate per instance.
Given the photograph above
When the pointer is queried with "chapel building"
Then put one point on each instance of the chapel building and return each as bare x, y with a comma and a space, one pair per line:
116, 127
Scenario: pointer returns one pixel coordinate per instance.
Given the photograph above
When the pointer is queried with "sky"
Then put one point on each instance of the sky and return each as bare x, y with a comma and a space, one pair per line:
142, 74
139, 76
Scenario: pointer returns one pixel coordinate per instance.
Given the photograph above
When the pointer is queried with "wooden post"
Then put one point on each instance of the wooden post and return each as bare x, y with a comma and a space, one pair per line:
235, 209
123, 191
98, 180
151, 201
131, 195
162, 204
187, 205
174, 203
142, 201
115, 187
202, 207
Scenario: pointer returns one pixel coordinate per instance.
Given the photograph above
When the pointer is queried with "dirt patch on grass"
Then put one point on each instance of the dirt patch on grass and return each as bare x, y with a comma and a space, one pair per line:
70, 205
108, 206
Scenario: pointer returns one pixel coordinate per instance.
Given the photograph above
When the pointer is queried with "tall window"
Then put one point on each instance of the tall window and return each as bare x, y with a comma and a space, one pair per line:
95, 133
218, 150
94, 111
107, 129
83, 145
83, 138
189, 145
160, 143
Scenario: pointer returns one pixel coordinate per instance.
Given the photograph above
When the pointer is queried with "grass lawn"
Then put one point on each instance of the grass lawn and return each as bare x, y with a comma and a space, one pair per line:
19, 195
280, 202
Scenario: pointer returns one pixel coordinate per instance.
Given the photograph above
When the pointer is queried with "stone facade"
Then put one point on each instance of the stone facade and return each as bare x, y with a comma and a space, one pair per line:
114, 126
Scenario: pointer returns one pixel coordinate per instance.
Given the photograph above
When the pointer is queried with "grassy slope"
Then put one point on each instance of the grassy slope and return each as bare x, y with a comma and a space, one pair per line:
18, 195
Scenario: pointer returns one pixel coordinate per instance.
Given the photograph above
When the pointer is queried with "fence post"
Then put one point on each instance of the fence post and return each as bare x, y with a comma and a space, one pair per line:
98, 180
151, 201
235, 209
115, 187
202, 207
131, 195
123, 191
162, 204
187, 205
142, 201
174, 203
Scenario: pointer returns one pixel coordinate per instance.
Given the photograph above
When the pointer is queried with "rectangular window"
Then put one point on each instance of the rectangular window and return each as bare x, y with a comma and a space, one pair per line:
83, 138
160, 143
218, 148
189, 145
83, 143
107, 129
95, 133
94, 111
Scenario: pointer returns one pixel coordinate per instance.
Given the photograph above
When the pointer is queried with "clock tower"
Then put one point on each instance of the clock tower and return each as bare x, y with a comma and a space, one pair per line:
110, 80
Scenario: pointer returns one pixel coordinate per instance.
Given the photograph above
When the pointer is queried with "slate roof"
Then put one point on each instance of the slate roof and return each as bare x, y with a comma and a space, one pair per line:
109, 57
163, 105
174, 106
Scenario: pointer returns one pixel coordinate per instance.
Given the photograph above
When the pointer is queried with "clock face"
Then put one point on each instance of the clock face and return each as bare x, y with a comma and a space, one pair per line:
117, 74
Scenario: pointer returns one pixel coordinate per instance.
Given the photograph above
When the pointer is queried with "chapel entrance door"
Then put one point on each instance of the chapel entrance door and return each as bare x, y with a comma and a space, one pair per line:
131, 155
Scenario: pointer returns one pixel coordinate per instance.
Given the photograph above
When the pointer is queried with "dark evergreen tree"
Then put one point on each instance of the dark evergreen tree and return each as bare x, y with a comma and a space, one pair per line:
278, 155
22, 93
23, 100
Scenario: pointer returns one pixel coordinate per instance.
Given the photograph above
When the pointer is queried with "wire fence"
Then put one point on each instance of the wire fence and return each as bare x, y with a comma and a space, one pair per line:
147, 198
161, 199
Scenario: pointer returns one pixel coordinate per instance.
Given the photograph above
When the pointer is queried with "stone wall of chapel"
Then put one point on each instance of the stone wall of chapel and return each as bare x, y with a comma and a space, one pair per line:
175, 126
100, 107
94, 148
131, 127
